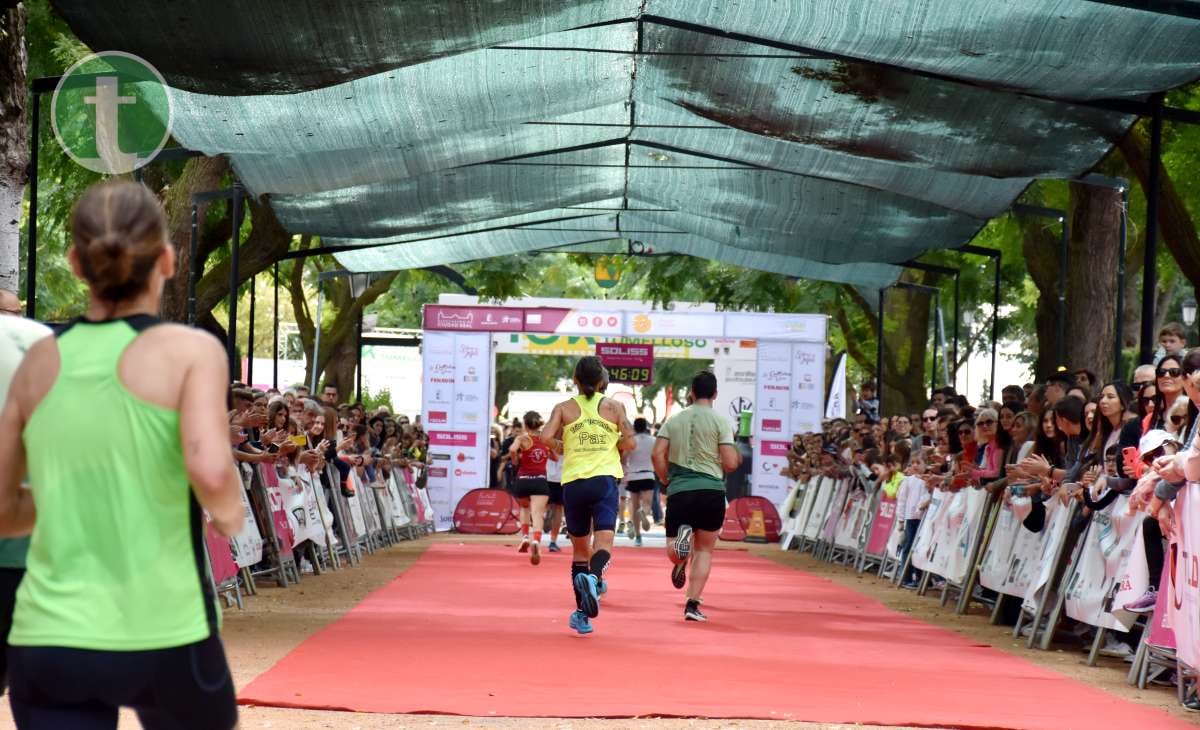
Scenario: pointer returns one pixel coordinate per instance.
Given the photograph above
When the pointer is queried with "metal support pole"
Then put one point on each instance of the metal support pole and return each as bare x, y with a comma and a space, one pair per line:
317, 340
358, 368
879, 353
995, 328
275, 333
956, 329
1149, 267
1118, 360
250, 338
1063, 252
231, 333
937, 312
193, 259
31, 252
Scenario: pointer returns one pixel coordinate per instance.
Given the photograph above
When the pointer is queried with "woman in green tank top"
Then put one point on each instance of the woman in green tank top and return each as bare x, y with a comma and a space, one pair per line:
116, 606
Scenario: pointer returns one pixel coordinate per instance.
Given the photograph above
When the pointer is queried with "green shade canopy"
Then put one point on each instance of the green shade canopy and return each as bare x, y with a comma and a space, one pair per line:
816, 138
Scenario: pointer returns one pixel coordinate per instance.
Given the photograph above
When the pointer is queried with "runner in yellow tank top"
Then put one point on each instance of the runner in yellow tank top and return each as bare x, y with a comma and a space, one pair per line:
590, 431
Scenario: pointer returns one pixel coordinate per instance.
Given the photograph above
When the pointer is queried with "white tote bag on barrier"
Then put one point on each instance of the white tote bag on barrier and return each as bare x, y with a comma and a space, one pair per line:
318, 520
962, 529
834, 510
993, 567
356, 510
924, 550
247, 545
819, 509
1109, 543
400, 514
1054, 534
851, 522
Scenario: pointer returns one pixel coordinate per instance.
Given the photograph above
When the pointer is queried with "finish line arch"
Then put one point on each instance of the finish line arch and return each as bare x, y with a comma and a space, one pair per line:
458, 366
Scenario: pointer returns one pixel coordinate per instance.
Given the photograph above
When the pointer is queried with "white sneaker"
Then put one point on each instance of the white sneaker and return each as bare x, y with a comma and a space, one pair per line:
1114, 647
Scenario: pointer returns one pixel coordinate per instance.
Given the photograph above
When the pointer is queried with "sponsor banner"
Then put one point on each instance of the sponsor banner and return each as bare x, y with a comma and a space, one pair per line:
1102, 582
461, 439
736, 374
775, 448
574, 321
884, 527
670, 348
485, 512
472, 383
1184, 600
679, 324
808, 387
473, 319
802, 327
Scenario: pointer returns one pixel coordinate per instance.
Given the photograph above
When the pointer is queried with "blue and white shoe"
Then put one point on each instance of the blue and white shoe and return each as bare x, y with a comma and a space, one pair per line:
553, 547
579, 621
589, 594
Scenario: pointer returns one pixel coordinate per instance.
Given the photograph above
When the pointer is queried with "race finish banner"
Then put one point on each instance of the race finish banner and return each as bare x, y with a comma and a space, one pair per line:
628, 364
458, 362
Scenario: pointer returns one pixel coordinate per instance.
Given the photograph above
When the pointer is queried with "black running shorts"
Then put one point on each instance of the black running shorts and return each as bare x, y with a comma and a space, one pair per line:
555, 492
184, 687
530, 487
640, 485
702, 509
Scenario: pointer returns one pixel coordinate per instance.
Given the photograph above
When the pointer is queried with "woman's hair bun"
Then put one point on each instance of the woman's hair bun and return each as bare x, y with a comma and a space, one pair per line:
119, 230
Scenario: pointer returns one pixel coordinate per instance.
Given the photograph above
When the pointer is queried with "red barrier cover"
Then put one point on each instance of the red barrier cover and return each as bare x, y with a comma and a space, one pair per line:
739, 513
885, 522
486, 512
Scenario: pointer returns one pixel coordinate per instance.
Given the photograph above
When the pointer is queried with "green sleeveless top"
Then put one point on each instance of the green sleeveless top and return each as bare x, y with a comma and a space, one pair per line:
590, 444
116, 561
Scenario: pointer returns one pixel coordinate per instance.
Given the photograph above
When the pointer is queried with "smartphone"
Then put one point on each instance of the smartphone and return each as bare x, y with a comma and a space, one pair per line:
299, 439
1017, 491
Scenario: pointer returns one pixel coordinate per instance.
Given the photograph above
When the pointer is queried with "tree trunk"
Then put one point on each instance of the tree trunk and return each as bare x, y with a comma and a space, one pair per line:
266, 242
905, 338
343, 361
1175, 223
1092, 278
200, 174
14, 141
1039, 246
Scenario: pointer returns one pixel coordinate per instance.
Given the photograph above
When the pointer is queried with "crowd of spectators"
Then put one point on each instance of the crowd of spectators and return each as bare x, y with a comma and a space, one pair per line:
1070, 437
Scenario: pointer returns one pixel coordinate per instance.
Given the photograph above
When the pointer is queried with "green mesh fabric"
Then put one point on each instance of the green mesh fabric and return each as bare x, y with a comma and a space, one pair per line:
817, 138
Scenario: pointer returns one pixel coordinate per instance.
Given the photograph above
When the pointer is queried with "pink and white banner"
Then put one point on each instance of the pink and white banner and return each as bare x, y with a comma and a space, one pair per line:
946, 536
1184, 559
883, 529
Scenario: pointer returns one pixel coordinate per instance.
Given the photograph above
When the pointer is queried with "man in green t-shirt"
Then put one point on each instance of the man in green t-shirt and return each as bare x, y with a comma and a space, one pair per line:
694, 451
16, 336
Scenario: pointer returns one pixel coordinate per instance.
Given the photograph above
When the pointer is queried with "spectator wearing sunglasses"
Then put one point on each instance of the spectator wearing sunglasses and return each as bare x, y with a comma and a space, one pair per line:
1168, 380
992, 447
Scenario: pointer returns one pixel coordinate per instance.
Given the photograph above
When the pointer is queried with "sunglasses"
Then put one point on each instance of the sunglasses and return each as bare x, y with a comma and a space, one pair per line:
1176, 420
964, 432
929, 419
1146, 399
985, 423
1169, 372
1137, 387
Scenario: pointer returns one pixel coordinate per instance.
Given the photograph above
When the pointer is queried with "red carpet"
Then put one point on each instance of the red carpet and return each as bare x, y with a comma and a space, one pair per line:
475, 630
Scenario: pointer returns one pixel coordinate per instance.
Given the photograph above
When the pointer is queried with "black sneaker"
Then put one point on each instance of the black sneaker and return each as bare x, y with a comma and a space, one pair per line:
679, 574
691, 612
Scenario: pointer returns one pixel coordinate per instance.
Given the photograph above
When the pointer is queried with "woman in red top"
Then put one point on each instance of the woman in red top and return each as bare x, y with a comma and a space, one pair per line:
531, 454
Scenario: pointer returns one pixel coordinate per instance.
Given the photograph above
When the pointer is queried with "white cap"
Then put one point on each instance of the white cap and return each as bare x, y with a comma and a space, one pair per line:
1155, 439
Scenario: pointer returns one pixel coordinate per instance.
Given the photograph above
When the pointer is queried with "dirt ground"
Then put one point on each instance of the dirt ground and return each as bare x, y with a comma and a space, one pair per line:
276, 620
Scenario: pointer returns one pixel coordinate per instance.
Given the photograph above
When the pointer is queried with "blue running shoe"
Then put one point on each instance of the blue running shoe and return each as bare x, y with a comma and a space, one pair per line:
579, 622
589, 594
553, 547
